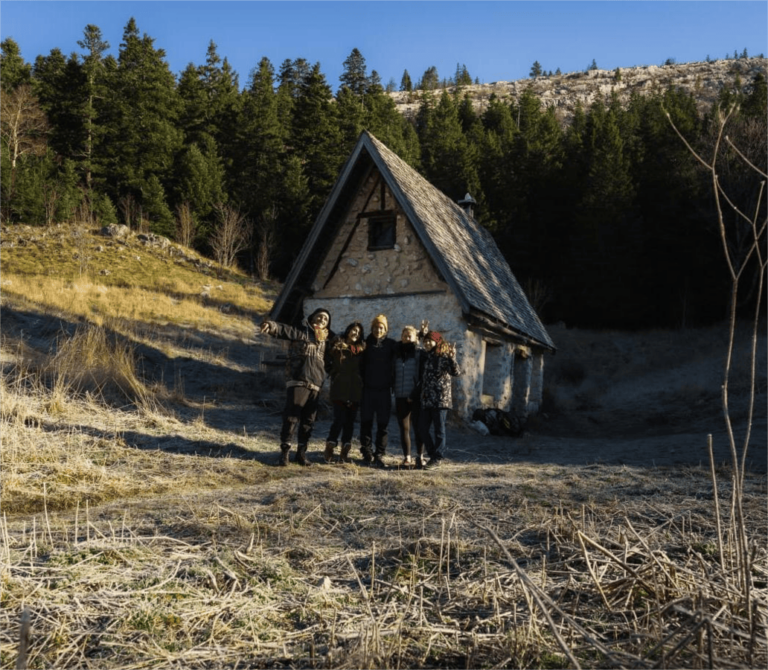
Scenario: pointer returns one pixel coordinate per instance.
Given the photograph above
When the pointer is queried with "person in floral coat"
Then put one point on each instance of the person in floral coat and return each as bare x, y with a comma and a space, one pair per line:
438, 366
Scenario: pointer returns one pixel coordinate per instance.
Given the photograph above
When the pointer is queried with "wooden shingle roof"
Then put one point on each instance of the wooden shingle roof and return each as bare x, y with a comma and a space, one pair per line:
462, 250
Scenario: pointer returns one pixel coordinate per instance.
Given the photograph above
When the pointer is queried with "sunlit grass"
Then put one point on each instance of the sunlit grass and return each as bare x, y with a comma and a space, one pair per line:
97, 279
228, 306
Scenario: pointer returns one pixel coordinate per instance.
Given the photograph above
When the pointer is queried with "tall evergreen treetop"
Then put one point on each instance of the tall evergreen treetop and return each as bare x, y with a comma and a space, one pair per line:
354, 76
405, 83
143, 125
13, 70
429, 80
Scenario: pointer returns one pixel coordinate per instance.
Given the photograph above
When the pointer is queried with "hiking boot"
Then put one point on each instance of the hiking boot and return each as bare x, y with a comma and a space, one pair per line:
378, 462
301, 455
328, 453
420, 462
284, 451
344, 458
433, 463
367, 455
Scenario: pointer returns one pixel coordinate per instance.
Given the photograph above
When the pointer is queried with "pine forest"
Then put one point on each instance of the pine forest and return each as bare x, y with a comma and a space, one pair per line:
607, 221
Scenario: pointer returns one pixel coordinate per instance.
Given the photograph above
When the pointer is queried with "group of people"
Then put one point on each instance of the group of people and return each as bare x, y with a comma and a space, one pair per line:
365, 373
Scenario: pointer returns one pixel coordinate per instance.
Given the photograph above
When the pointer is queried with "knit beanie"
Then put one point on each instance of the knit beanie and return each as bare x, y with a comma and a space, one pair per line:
382, 320
434, 336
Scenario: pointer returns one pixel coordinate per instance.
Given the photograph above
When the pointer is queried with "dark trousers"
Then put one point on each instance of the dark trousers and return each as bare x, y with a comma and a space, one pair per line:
376, 403
300, 409
408, 412
344, 415
434, 416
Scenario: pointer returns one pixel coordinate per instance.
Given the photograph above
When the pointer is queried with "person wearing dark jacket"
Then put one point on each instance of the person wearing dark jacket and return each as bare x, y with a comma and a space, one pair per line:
438, 368
306, 369
406, 363
377, 390
346, 389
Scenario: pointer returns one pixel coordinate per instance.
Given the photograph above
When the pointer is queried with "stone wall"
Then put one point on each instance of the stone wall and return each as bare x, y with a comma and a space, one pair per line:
521, 390
350, 269
498, 377
512, 374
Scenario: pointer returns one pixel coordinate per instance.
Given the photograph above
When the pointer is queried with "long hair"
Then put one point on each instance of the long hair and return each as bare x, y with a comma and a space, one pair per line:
349, 328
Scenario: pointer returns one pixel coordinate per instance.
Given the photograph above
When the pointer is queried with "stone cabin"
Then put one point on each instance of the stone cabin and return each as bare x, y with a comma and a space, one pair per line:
387, 241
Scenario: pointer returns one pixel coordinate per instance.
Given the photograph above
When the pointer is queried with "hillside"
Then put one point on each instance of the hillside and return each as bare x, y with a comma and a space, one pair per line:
703, 80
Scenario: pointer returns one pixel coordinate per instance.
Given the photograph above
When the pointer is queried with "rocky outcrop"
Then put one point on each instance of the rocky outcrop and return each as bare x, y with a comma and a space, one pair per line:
703, 80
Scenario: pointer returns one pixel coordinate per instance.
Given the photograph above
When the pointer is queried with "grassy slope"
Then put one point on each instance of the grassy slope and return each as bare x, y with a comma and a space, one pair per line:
72, 388
140, 532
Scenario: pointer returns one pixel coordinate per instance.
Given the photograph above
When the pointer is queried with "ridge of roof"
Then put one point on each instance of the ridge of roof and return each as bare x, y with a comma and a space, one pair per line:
463, 250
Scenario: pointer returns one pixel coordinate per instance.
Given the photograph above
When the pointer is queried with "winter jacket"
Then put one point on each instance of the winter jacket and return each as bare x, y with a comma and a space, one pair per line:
406, 369
307, 356
344, 371
376, 366
436, 381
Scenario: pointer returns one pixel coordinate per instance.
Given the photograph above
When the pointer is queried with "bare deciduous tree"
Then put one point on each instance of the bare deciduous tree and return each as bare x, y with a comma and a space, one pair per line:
84, 212
186, 225
231, 236
51, 197
743, 237
23, 127
128, 208
81, 241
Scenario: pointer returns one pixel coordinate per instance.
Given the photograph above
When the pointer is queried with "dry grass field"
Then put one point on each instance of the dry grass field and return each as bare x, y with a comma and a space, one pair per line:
144, 525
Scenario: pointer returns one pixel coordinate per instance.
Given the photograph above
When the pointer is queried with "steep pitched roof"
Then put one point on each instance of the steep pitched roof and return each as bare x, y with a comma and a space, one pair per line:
462, 250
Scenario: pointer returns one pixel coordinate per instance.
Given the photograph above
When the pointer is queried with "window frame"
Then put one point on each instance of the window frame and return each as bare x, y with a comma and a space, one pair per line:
380, 224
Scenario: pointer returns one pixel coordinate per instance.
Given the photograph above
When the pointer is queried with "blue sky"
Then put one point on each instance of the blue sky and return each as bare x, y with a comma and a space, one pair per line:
495, 40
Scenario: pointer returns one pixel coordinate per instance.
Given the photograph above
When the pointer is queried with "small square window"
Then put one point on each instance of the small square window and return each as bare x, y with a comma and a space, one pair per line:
381, 232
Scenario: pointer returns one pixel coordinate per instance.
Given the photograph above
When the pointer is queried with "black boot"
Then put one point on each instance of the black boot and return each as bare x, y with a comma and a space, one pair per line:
301, 455
284, 450
367, 454
378, 459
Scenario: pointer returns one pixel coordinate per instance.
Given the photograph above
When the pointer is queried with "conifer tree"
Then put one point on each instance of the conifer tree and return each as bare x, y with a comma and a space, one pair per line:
58, 84
192, 110
221, 87
315, 136
143, 133
389, 126
373, 84
756, 101
94, 94
13, 69
405, 82
536, 70
445, 154
261, 139
353, 116
429, 80
354, 75
462, 76
200, 179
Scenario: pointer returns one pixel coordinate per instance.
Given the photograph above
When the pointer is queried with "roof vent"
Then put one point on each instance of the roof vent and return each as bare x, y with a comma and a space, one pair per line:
467, 205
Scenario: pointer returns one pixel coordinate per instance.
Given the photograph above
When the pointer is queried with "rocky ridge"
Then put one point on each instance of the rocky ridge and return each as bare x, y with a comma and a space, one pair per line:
702, 79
